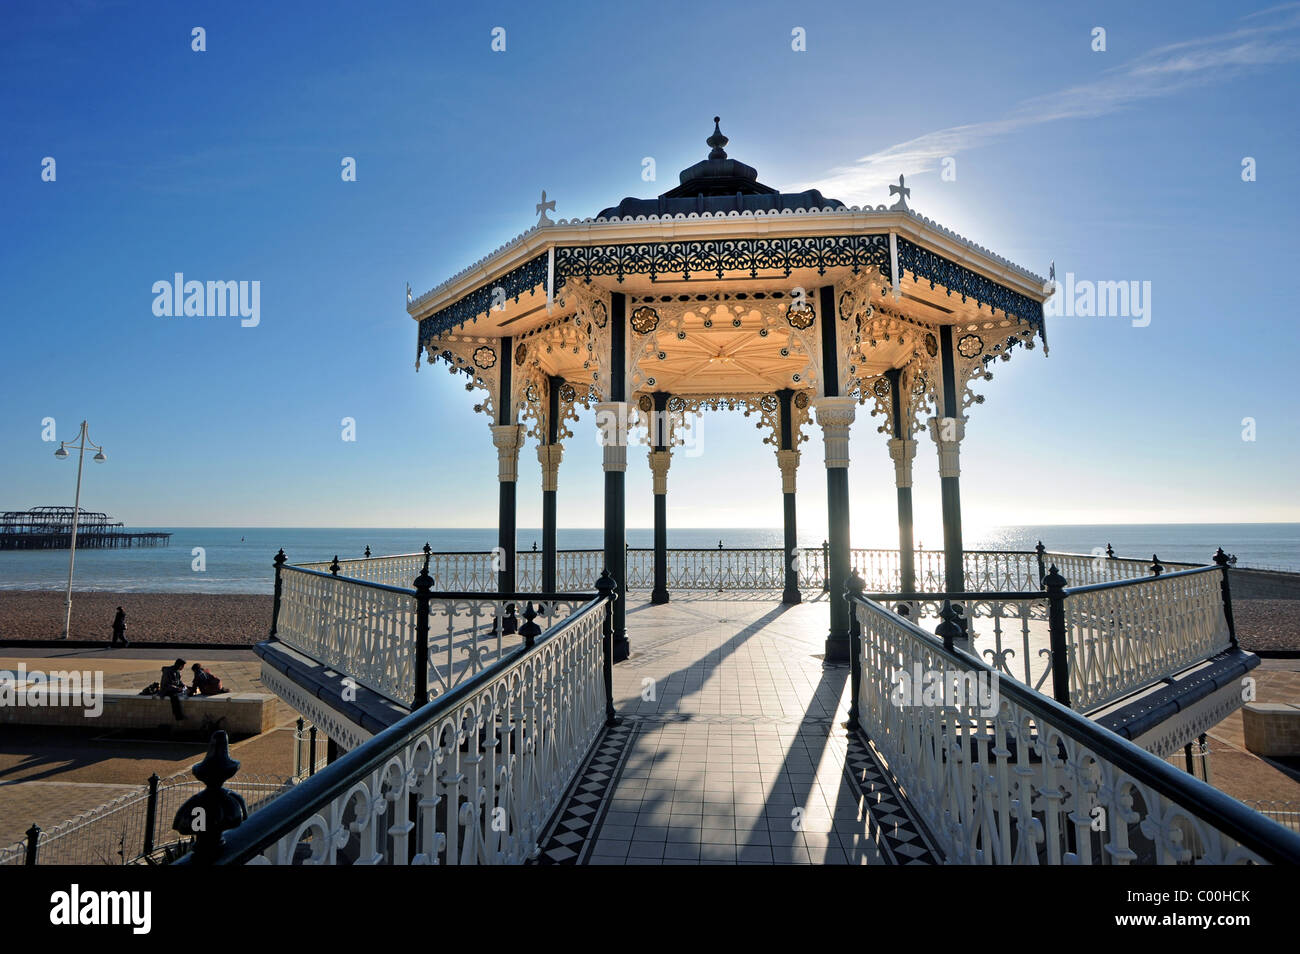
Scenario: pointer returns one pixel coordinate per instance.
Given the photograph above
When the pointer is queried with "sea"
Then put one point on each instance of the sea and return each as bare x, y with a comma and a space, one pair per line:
239, 560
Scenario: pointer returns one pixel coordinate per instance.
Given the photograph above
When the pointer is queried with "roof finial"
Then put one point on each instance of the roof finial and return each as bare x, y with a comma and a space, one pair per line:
542, 207
902, 192
717, 141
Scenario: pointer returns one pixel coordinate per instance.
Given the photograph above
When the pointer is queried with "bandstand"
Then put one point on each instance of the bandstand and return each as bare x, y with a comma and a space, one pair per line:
472, 702
725, 293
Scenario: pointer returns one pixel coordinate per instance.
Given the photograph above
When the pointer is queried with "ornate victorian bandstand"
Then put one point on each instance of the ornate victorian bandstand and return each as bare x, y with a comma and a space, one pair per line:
474, 711
725, 293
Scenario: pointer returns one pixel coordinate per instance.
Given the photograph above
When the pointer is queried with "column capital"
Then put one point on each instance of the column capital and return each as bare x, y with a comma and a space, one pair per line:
903, 452
549, 456
659, 461
835, 416
611, 426
947, 433
788, 461
508, 438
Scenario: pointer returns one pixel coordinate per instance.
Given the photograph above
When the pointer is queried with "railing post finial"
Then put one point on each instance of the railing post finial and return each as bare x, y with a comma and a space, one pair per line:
33, 844
1156, 568
1110, 552
423, 585
530, 630
367, 551
279, 562
209, 814
1222, 560
1040, 551
948, 630
606, 586
1054, 584
853, 591
334, 567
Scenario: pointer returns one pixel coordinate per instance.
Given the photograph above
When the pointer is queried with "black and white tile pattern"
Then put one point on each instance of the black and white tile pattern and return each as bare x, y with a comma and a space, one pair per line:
576, 825
897, 833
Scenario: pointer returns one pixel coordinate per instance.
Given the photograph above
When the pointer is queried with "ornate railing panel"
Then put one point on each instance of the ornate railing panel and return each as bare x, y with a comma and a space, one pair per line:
471, 778
1008, 629
368, 631
365, 630
1025, 780
1127, 635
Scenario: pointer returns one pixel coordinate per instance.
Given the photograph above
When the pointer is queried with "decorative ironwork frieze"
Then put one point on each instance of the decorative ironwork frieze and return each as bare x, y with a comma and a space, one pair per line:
959, 280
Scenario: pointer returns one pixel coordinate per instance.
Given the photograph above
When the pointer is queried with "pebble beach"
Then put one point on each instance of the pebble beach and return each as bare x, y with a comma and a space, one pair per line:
217, 619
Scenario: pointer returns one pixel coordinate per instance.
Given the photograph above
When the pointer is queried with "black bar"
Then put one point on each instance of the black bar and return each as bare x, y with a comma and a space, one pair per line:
1054, 585
151, 814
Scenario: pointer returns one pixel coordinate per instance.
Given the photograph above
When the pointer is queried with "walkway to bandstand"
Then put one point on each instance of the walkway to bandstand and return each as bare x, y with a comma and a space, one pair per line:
731, 748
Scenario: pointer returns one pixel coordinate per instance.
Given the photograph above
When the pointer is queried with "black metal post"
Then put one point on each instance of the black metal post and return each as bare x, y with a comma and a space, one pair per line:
605, 586
790, 594
311, 751
855, 590
1054, 584
659, 445
550, 496
507, 495
334, 566
151, 813
826, 566
837, 489
1221, 560
331, 751
279, 562
1042, 566
1156, 568
33, 844
615, 479
423, 586
950, 486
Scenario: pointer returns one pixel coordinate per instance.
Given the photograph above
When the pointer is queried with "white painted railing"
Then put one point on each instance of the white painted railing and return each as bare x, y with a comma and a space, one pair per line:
1125, 636
742, 569
1027, 781
471, 778
368, 631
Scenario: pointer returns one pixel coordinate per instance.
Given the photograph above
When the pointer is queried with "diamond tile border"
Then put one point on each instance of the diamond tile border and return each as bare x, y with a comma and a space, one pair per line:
577, 824
899, 835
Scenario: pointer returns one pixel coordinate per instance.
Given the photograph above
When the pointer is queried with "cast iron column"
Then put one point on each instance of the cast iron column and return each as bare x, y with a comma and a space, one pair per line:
506, 435
902, 448
835, 416
611, 418
660, 458
549, 456
947, 432
787, 458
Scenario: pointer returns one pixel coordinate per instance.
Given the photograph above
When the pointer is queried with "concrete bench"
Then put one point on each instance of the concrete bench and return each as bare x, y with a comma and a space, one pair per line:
239, 713
1272, 728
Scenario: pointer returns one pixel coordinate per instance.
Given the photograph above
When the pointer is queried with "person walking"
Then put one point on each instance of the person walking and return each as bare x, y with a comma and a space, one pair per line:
119, 629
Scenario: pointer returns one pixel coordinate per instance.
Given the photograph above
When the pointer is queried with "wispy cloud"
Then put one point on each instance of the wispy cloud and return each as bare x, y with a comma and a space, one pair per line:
1267, 38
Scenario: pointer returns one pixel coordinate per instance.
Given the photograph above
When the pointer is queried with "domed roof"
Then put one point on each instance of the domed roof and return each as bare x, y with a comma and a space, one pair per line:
720, 184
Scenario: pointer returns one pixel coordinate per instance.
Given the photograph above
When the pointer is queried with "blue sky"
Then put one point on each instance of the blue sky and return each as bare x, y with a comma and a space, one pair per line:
1117, 165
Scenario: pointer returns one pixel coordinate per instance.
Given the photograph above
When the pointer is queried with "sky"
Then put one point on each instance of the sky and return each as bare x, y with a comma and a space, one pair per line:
1117, 164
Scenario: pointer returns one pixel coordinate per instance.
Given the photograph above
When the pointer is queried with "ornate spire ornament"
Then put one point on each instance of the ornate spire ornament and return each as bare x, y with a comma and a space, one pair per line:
717, 141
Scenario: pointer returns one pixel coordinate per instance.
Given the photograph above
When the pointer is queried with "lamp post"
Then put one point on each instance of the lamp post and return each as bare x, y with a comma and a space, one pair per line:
83, 441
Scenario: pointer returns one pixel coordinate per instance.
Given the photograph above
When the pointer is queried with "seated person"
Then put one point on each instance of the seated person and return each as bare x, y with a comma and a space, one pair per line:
172, 686
205, 684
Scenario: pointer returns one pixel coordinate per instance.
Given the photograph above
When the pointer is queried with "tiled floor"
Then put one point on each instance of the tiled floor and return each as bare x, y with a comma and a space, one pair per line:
734, 747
